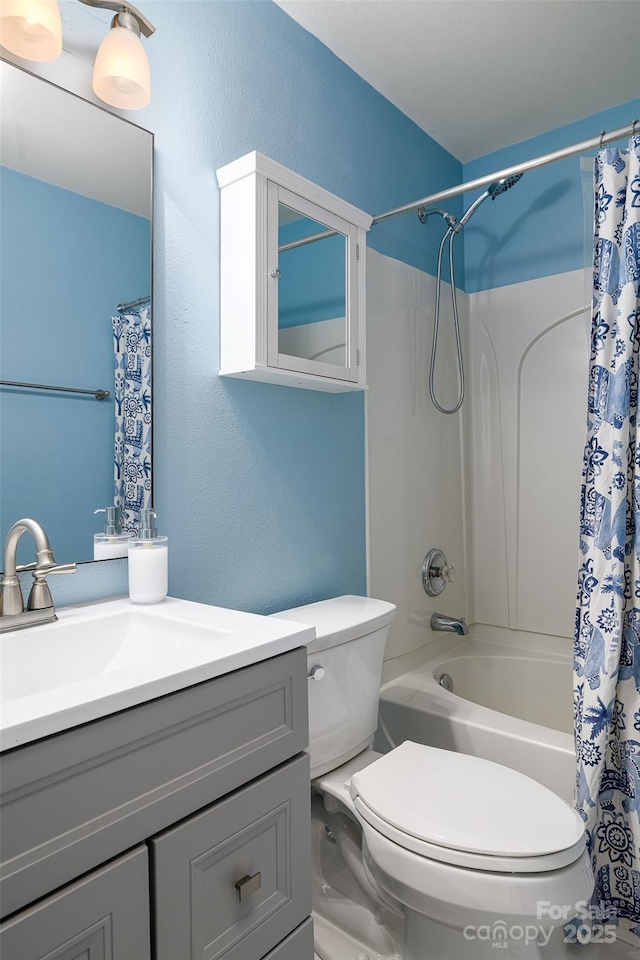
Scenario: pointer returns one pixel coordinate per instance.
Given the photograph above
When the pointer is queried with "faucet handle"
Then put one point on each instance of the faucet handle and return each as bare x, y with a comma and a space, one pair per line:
57, 568
40, 597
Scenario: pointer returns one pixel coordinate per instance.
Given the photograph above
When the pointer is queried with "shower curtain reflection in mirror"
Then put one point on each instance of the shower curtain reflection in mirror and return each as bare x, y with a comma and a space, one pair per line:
133, 435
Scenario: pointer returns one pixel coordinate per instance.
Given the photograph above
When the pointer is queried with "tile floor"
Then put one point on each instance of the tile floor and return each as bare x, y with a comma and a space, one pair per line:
558, 950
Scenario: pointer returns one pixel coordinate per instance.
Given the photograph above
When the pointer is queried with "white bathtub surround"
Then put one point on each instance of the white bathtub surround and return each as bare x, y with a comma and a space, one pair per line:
511, 529
526, 409
493, 710
415, 495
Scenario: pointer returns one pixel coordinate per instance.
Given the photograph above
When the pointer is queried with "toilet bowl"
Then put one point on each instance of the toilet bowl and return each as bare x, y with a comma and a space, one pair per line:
474, 850
421, 853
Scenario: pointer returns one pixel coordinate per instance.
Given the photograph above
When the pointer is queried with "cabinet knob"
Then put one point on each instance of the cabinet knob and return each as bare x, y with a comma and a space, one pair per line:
276, 274
316, 673
248, 885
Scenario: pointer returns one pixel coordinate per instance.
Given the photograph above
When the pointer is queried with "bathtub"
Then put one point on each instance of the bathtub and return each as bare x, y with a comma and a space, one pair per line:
508, 704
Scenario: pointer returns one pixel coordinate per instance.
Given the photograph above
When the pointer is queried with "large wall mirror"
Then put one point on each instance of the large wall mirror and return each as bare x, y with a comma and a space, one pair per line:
75, 313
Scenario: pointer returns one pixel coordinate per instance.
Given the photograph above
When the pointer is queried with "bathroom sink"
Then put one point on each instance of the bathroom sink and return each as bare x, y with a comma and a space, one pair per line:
105, 657
46, 659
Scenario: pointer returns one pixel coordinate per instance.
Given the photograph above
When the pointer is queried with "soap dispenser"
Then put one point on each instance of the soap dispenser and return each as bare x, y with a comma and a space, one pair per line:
112, 542
148, 562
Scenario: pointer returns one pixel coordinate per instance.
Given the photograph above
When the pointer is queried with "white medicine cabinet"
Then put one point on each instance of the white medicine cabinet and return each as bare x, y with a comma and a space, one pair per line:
292, 279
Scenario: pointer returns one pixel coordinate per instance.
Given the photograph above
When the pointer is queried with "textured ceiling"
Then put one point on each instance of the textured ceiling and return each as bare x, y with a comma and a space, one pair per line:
478, 75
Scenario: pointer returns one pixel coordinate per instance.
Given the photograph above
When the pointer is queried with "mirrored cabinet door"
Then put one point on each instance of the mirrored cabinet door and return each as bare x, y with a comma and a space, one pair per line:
311, 302
292, 279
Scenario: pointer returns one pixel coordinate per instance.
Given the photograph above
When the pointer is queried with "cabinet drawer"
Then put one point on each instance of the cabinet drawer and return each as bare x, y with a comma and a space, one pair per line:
256, 841
297, 946
74, 800
104, 916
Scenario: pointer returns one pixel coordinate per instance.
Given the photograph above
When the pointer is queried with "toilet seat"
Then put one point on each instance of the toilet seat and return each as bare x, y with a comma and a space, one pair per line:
466, 811
462, 858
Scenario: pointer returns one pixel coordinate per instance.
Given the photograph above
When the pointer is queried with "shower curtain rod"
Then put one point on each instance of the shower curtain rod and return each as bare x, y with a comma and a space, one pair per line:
134, 303
541, 161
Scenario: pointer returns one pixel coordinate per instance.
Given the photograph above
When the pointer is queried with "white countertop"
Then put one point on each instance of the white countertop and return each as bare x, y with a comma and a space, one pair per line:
104, 657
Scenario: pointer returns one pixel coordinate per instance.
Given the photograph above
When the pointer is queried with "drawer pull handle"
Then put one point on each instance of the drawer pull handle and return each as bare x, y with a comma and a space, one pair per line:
248, 885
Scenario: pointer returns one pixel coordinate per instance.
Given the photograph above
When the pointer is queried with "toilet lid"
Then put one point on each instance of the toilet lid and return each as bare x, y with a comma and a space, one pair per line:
465, 803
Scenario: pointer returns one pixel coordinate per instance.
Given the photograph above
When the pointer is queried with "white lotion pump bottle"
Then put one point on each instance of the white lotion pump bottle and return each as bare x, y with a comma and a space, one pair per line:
148, 563
112, 542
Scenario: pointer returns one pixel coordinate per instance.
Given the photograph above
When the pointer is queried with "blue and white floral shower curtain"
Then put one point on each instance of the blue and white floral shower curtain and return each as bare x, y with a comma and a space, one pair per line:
607, 637
132, 453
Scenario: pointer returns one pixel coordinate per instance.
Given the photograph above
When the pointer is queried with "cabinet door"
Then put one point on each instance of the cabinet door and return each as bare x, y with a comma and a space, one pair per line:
104, 916
312, 292
235, 879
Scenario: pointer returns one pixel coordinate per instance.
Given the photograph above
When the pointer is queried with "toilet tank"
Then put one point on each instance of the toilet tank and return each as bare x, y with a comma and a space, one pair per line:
344, 666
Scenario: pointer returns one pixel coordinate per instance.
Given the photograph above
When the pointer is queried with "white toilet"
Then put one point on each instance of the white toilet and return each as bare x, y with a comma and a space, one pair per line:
421, 853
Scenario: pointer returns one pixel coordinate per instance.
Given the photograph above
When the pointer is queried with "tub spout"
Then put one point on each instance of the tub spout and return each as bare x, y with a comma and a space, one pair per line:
440, 621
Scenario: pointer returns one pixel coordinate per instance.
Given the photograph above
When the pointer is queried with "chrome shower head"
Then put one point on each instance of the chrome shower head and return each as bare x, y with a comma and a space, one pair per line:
493, 191
501, 186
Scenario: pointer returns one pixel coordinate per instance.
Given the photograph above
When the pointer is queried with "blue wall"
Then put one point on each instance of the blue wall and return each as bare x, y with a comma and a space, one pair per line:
260, 488
66, 262
536, 228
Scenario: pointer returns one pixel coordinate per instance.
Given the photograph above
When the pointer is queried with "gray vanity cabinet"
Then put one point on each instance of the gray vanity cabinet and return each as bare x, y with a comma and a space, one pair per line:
229, 880
191, 810
103, 916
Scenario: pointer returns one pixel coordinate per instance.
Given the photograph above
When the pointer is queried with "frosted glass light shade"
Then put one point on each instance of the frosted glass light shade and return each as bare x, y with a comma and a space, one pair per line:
121, 75
31, 28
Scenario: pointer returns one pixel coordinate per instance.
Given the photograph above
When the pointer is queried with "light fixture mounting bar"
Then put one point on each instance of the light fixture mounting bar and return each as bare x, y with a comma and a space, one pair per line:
146, 27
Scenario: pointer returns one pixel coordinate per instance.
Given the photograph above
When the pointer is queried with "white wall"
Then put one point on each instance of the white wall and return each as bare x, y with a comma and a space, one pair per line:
528, 370
414, 453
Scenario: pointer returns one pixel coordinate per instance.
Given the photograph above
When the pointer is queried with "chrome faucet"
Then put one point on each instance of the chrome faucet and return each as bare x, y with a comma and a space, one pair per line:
40, 608
440, 621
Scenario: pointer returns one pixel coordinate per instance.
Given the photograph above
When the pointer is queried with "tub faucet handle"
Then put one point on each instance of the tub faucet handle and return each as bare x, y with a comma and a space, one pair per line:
446, 572
437, 572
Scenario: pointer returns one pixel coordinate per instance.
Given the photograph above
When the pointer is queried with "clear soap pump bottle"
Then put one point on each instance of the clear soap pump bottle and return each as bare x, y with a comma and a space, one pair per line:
112, 542
148, 563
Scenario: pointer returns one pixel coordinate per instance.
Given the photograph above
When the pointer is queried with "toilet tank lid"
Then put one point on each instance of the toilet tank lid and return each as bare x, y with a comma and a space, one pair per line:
341, 619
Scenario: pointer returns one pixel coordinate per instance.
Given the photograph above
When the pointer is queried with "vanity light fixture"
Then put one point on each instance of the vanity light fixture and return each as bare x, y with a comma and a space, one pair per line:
32, 29
121, 75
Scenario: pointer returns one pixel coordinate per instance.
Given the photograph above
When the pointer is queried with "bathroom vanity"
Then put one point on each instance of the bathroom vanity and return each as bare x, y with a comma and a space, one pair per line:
174, 828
